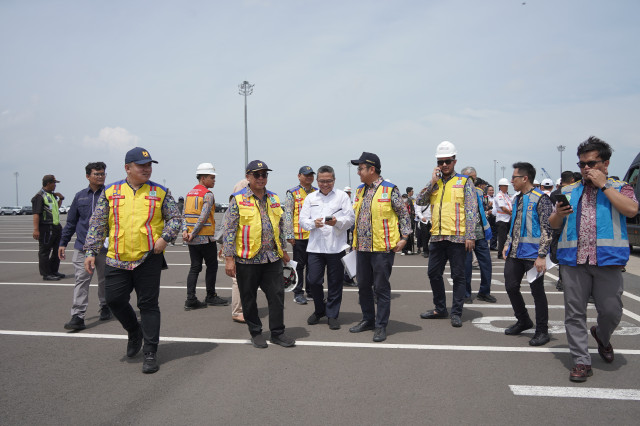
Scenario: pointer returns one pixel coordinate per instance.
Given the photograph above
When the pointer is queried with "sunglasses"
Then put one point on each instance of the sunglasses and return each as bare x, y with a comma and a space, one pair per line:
447, 162
259, 175
591, 164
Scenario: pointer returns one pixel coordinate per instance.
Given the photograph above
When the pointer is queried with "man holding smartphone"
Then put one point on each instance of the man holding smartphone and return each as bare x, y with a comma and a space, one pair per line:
593, 248
327, 215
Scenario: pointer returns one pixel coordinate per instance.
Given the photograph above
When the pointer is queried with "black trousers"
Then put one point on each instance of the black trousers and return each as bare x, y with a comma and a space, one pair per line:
198, 252
514, 271
300, 256
48, 260
332, 262
439, 253
145, 280
373, 271
503, 230
493, 244
424, 235
269, 278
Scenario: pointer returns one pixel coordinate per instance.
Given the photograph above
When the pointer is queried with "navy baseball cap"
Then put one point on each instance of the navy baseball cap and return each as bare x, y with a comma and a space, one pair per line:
306, 170
139, 156
368, 158
256, 165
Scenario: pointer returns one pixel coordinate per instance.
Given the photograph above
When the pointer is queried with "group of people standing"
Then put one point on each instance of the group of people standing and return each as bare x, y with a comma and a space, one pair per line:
139, 217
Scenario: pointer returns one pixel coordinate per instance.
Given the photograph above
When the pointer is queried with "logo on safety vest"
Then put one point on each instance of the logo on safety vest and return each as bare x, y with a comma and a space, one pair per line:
152, 193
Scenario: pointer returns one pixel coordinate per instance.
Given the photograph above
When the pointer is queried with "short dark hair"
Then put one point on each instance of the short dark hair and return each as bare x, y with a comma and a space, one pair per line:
567, 177
577, 176
327, 169
595, 144
98, 165
409, 189
527, 169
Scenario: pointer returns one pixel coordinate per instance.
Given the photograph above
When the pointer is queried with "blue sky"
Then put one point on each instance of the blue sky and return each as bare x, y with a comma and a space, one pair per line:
85, 81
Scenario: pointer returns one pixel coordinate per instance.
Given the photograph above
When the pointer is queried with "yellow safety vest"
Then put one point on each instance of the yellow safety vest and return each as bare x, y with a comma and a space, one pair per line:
193, 208
447, 204
299, 194
135, 219
249, 234
384, 220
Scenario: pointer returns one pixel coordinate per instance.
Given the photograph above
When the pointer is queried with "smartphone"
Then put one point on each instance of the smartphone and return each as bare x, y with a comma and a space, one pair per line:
438, 173
328, 218
559, 198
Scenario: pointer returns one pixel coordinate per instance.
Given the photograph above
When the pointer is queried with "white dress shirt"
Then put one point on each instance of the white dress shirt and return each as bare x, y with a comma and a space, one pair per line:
423, 212
502, 200
328, 239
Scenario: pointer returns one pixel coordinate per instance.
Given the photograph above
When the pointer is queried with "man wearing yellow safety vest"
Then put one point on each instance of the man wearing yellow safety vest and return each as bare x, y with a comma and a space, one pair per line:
454, 211
140, 217
382, 228
47, 229
254, 247
296, 235
198, 229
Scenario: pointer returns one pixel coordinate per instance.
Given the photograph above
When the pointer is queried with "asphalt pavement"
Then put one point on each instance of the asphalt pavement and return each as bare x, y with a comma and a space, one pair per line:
426, 372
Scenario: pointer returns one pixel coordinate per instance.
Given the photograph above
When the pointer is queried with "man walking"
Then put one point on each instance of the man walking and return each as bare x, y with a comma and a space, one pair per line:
503, 213
47, 229
296, 236
454, 214
140, 217
82, 207
592, 249
255, 248
527, 247
198, 231
382, 228
327, 214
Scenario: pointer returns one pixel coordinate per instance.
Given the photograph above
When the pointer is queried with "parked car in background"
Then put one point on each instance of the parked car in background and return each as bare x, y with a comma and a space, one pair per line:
64, 209
13, 210
27, 210
225, 206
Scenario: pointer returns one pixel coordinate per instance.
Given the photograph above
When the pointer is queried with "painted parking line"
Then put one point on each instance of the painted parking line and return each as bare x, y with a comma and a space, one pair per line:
311, 343
576, 392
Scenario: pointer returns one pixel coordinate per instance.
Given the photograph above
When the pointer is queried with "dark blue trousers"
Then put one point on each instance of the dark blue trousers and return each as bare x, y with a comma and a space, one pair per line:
317, 263
373, 270
301, 257
439, 253
483, 254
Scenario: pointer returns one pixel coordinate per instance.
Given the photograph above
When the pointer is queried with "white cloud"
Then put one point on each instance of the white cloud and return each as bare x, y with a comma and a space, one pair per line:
113, 138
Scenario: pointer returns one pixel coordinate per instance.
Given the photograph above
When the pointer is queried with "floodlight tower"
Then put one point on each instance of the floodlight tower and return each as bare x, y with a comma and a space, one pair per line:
561, 148
245, 89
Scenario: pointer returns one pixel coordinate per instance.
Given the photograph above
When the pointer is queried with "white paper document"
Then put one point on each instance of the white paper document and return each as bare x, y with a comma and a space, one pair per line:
349, 262
533, 274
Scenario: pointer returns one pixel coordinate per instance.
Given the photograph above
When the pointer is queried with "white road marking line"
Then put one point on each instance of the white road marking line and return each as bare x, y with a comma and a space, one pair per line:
576, 392
631, 296
467, 348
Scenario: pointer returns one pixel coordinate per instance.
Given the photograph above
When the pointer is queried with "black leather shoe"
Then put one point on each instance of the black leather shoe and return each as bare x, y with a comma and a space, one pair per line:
58, 274
380, 335
283, 340
362, 326
539, 339
486, 298
456, 321
433, 314
135, 342
51, 278
259, 341
314, 319
105, 313
606, 352
150, 363
76, 323
190, 305
334, 324
519, 327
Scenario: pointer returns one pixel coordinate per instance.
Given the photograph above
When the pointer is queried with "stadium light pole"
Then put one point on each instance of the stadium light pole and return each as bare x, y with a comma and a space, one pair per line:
561, 148
16, 174
495, 180
503, 169
245, 89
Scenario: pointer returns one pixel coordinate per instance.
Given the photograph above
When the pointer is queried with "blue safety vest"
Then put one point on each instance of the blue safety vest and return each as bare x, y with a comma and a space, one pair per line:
612, 243
530, 225
485, 223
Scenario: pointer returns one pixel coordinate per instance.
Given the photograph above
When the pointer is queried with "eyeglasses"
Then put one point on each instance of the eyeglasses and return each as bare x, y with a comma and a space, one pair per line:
447, 162
591, 164
259, 175
325, 181
516, 176
362, 168
99, 174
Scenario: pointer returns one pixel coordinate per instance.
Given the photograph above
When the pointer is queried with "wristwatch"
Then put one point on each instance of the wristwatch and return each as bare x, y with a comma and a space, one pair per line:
606, 186
405, 238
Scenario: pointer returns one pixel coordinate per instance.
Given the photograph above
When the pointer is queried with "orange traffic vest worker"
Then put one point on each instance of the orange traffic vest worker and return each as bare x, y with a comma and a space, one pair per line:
140, 218
297, 236
198, 232
254, 247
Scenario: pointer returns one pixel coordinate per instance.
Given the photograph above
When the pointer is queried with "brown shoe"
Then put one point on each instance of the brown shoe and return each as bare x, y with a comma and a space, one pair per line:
238, 318
580, 372
606, 353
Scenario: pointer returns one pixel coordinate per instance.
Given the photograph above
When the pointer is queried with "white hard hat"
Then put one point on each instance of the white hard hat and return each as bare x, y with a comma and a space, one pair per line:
347, 189
536, 182
445, 149
559, 181
206, 169
547, 182
503, 181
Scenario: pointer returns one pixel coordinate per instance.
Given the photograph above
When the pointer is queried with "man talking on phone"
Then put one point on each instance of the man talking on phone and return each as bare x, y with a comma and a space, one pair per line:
593, 248
454, 214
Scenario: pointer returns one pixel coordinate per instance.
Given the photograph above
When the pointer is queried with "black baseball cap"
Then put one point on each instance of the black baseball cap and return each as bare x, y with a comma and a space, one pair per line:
256, 165
368, 158
47, 179
139, 156
306, 170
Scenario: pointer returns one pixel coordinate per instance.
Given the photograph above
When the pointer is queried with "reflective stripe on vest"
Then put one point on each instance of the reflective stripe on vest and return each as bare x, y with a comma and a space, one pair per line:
249, 233
529, 241
193, 204
299, 194
51, 207
384, 221
135, 219
447, 214
612, 242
